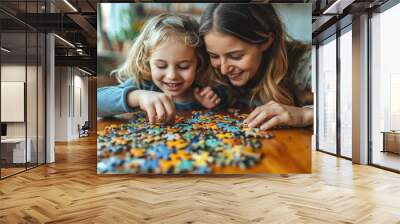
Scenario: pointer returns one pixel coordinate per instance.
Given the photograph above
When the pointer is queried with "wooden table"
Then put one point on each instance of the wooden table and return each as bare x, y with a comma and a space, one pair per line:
289, 151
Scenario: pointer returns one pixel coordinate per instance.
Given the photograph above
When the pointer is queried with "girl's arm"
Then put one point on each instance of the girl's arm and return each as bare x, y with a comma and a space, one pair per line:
112, 100
127, 97
158, 106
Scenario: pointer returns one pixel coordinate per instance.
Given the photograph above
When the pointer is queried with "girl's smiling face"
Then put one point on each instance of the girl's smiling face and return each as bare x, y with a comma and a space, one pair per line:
236, 59
173, 67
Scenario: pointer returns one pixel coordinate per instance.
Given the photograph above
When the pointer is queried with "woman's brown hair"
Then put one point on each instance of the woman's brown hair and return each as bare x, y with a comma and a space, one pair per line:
255, 23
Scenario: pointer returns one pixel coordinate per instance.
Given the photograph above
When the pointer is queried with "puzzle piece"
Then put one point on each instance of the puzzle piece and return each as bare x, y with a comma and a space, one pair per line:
177, 144
185, 165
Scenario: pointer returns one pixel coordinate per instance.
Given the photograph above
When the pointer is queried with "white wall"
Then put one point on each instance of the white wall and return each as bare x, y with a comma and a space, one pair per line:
360, 90
50, 96
71, 94
12, 73
61, 103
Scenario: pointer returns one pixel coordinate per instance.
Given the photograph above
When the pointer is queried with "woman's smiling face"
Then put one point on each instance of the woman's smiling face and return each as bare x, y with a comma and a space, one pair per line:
236, 59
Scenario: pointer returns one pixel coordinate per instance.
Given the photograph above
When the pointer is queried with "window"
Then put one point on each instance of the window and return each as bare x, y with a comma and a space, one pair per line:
385, 88
346, 93
326, 95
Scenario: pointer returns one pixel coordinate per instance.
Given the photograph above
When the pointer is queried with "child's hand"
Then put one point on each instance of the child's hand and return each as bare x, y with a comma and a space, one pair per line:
207, 97
158, 106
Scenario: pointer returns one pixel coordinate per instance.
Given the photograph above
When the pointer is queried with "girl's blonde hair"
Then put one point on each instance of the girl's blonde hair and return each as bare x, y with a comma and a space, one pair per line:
251, 23
155, 31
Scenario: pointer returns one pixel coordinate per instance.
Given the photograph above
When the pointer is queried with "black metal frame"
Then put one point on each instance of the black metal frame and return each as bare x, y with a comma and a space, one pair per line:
316, 98
369, 115
338, 98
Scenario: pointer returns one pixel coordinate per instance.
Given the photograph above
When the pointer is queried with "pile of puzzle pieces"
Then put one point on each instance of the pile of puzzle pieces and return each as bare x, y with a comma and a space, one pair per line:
194, 145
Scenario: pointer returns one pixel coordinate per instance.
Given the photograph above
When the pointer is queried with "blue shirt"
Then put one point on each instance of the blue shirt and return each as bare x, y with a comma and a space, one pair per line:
112, 100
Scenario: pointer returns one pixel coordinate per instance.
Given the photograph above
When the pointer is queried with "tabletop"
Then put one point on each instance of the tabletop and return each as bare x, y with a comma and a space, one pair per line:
289, 151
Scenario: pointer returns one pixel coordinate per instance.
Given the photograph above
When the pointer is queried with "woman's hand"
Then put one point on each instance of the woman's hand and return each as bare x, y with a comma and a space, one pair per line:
275, 114
158, 106
207, 97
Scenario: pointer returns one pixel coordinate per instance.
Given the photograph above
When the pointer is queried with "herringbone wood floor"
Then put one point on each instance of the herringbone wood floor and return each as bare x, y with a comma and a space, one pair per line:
70, 191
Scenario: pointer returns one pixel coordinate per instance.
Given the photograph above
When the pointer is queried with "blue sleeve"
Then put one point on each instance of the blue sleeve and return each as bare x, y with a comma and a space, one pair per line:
112, 100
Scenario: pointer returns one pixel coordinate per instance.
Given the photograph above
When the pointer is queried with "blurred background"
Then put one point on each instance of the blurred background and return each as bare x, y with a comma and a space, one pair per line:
120, 23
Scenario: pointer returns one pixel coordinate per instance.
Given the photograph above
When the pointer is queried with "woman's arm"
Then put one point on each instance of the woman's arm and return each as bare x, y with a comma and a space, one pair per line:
274, 114
301, 115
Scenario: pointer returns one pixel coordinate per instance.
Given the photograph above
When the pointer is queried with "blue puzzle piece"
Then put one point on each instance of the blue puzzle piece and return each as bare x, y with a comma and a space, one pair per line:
115, 148
196, 115
155, 131
162, 152
150, 165
203, 170
114, 162
212, 143
209, 113
232, 129
222, 125
170, 136
185, 165
103, 166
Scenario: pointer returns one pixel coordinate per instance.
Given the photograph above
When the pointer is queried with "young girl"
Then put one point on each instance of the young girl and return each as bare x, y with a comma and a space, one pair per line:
162, 67
250, 50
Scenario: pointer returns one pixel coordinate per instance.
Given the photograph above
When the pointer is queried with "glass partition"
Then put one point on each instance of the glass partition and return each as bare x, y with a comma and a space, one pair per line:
13, 92
31, 98
22, 77
41, 86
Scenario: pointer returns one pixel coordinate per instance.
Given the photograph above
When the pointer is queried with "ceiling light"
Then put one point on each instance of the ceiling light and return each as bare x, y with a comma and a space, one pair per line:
329, 9
84, 71
337, 7
70, 5
5, 49
64, 40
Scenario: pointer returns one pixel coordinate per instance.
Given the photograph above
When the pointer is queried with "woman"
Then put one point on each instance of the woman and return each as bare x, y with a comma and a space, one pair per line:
251, 52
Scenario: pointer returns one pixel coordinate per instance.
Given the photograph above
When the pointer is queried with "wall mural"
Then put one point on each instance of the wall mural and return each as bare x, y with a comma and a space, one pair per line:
204, 88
